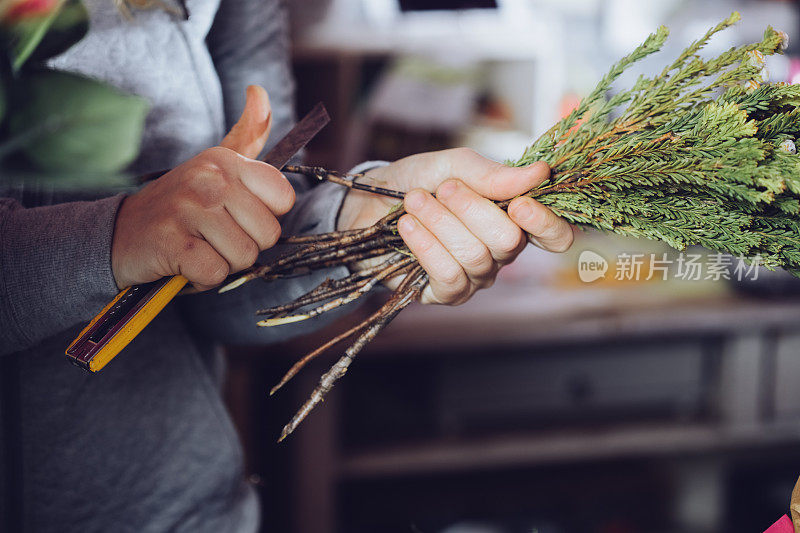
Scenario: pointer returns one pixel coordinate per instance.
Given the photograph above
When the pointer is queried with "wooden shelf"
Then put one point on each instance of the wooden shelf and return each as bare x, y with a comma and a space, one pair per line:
583, 445
539, 316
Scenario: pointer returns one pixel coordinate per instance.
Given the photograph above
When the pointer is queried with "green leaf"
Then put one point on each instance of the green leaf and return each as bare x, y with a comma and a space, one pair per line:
26, 34
80, 124
69, 26
40, 37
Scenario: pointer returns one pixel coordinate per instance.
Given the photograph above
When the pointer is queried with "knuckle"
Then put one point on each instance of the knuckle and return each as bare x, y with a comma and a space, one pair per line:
179, 252
463, 152
478, 285
510, 241
424, 247
452, 276
214, 272
207, 156
282, 194
539, 223
477, 258
551, 226
287, 198
455, 195
435, 216
453, 293
207, 169
564, 244
459, 296
209, 182
200, 264
450, 182
497, 187
217, 276
270, 233
215, 154
208, 162
433, 213
176, 210
517, 209
248, 253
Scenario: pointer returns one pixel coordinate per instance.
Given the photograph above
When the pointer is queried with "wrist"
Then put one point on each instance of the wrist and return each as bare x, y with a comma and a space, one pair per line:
117, 247
354, 206
357, 206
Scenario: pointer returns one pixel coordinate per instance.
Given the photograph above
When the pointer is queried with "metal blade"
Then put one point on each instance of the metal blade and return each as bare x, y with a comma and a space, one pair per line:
281, 153
298, 137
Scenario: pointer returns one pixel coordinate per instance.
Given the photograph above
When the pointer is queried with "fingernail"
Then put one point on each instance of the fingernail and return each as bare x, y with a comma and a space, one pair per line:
414, 200
523, 210
446, 189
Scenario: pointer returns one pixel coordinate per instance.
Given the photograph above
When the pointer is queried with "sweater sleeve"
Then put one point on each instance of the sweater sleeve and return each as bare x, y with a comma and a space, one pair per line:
55, 268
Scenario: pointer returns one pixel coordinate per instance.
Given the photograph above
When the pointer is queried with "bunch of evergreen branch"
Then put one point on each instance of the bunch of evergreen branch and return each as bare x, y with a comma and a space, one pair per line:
701, 154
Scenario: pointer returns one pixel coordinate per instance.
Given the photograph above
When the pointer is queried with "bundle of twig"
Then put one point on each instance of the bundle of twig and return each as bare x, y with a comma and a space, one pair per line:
702, 153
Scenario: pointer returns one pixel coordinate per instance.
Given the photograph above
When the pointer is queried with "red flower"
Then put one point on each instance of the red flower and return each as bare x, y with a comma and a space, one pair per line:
14, 11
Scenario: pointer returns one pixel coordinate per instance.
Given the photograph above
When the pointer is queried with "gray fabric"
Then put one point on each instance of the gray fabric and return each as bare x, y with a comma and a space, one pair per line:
62, 252
145, 445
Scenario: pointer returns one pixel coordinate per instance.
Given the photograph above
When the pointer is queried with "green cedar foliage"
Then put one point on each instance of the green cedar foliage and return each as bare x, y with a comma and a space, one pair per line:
701, 154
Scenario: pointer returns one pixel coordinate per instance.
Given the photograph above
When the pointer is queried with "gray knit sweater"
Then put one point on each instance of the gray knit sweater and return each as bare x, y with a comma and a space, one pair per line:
145, 445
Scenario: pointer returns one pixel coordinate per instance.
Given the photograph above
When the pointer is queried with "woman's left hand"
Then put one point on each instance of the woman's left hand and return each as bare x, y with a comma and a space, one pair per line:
459, 235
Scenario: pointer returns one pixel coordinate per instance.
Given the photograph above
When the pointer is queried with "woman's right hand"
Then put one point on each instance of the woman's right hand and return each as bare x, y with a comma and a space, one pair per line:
208, 217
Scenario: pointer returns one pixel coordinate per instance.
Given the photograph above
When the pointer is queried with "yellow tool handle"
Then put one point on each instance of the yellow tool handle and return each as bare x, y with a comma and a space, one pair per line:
133, 308
120, 321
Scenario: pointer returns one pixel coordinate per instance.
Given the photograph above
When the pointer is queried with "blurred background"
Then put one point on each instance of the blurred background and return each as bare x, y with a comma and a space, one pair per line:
621, 387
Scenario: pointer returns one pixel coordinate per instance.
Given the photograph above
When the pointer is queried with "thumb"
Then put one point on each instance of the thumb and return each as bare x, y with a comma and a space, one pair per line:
492, 179
512, 181
250, 133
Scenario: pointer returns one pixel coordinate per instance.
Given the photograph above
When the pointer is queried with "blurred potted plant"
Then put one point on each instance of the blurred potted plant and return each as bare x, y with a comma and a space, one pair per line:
58, 126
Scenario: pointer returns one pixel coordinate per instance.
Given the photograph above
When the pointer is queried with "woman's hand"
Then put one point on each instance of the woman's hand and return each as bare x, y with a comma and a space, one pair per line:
208, 217
459, 235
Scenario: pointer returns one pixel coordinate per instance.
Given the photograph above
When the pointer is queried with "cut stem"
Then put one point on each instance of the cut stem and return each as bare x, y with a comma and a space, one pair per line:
408, 291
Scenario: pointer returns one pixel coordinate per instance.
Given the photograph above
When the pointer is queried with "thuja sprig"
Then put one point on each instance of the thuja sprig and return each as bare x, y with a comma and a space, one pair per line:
701, 154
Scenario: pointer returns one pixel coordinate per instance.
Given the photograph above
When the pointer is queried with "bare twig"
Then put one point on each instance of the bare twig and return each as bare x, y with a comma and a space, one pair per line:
408, 291
346, 180
362, 288
313, 250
